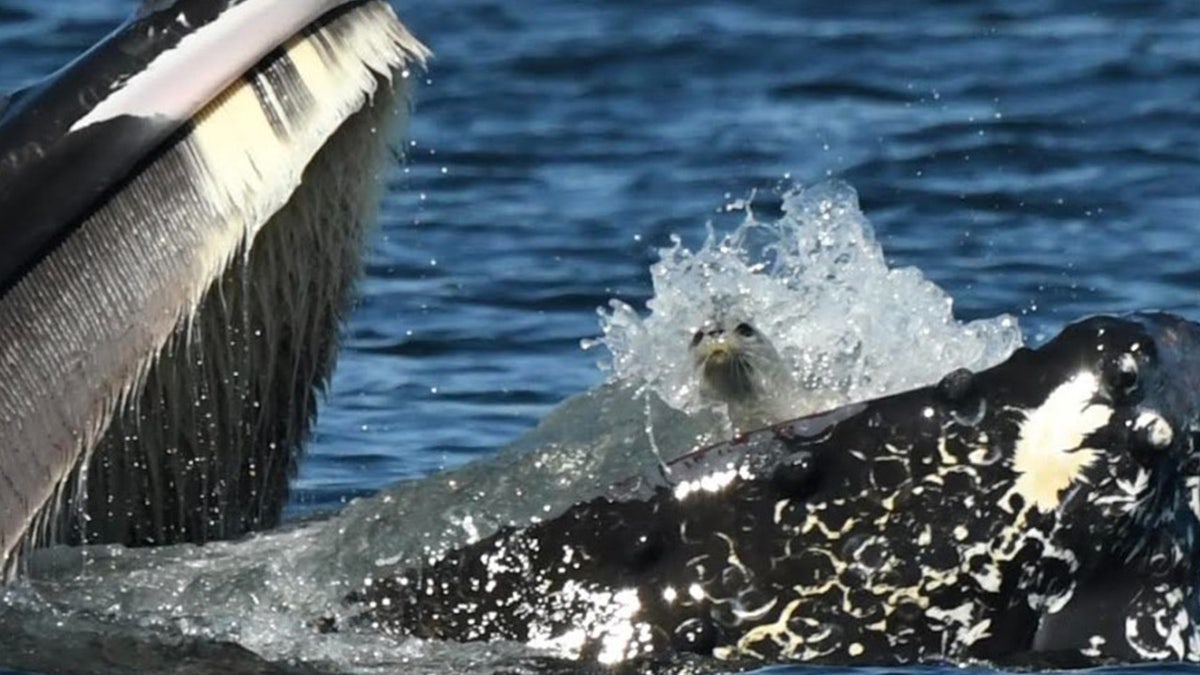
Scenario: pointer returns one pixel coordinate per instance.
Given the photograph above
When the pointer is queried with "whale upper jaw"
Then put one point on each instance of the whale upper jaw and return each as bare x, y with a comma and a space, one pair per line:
1036, 512
69, 140
178, 246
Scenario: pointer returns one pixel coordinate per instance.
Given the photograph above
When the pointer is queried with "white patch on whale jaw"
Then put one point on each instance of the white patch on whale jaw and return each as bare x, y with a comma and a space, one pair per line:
1049, 454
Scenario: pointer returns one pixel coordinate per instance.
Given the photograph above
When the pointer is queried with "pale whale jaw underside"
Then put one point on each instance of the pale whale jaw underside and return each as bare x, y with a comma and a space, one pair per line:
163, 353
1043, 512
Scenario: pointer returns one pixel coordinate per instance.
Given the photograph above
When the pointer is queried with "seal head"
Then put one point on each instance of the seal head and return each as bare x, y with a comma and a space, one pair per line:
737, 365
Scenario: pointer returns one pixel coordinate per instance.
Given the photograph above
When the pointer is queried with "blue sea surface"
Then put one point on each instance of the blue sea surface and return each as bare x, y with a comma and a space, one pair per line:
1038, 158
1034, 157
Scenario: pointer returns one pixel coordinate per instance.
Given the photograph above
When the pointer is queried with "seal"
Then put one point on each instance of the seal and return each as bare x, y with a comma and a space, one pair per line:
1044, 511
170, 279
739, 367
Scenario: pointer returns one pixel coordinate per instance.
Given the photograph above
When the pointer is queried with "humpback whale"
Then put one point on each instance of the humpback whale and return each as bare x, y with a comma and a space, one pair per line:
182, 209
1043, 511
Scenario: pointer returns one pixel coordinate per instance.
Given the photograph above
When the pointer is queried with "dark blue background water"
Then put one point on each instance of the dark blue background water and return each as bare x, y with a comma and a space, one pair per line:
1034, 157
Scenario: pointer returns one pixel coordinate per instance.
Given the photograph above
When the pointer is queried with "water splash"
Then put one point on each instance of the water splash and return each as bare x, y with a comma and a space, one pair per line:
816, 283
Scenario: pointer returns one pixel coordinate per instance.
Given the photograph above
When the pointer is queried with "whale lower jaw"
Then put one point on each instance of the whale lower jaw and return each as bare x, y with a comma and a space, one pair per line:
162, 361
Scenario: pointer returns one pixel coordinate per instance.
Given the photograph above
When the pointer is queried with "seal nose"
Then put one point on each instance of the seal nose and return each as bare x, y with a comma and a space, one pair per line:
718, 352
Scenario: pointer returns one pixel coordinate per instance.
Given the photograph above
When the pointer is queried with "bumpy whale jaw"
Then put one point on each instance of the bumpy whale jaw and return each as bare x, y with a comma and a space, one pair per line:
162, 339
982, 518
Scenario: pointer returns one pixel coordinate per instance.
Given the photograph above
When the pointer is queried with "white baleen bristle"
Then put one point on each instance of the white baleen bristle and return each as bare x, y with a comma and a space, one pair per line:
248, 148
167, 352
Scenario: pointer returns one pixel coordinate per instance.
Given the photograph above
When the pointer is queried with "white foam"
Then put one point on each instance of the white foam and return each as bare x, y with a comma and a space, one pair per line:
816, 283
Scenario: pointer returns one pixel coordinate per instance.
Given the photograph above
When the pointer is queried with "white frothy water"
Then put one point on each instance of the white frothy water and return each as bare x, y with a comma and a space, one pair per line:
815, 282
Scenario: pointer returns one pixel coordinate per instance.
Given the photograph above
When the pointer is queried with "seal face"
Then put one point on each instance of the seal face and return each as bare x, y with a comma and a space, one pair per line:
737, 365
1041, 509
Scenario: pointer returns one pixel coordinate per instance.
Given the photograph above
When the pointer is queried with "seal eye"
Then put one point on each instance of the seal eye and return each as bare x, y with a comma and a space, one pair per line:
745, 330
697, 337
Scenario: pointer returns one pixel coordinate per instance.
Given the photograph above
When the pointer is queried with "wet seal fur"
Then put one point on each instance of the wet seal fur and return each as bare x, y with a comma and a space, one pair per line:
1041, 512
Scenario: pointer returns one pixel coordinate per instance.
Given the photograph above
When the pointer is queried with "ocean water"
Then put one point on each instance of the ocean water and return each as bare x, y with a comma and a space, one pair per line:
1033, 158
1039, 159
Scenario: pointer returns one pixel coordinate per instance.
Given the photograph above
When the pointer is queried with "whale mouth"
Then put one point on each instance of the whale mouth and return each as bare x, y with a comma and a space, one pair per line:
178, 253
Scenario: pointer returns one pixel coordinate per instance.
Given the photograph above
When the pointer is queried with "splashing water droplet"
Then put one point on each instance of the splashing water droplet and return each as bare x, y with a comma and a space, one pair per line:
816, 283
